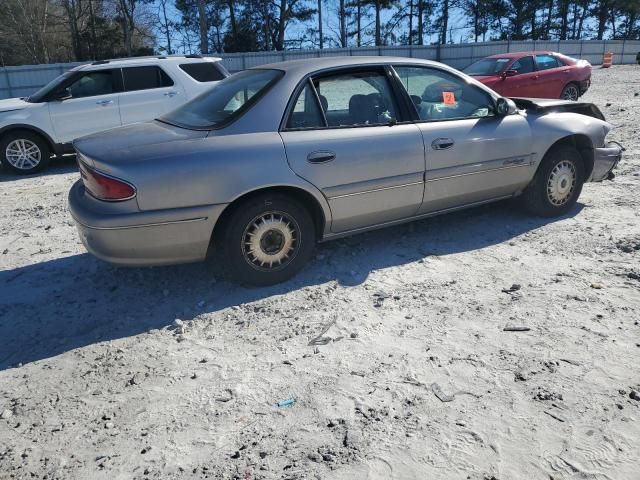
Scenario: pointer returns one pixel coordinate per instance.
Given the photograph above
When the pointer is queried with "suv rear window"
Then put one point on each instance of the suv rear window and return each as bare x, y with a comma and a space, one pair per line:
145, 78
204, 71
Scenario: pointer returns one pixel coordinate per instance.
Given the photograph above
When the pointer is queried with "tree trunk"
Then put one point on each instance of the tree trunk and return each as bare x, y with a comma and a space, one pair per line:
203, 27
320, 24
445, 21
343, 25
359, 15
410, 39
420, 22
232, 18
378, 22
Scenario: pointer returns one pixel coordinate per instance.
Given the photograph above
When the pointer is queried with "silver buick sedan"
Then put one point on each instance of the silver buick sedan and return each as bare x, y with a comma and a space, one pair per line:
274, 159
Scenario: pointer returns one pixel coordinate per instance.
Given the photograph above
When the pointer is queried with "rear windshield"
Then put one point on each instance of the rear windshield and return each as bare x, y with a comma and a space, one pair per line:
203, 71
487, 66
225, 101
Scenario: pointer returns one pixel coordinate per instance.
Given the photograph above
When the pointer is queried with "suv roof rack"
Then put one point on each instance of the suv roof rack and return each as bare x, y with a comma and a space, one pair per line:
100, 62
193, 55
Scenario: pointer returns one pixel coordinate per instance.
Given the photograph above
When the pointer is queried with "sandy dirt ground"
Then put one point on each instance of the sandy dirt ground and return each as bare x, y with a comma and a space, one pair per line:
172, 373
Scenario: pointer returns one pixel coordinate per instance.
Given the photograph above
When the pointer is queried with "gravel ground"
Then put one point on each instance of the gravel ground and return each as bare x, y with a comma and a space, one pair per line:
110, 373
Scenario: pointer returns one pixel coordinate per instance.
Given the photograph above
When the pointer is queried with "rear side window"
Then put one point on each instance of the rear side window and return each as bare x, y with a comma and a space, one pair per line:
545, 62
145, 78
523, 65
306, 112
203, 71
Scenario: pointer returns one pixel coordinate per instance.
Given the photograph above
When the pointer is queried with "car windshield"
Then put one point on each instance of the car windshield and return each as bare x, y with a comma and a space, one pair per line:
225, 102
50, 87
487, 66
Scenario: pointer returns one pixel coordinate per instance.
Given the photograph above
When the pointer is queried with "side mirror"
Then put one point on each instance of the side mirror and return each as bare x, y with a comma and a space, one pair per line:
509, 73
505, 106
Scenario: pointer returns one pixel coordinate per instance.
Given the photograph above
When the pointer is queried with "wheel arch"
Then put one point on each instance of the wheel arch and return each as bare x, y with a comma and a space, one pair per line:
319, 213
53, 146
583, 144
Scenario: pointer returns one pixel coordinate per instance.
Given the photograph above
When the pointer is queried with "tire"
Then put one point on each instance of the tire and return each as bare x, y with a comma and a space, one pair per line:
557, 184
267, 228
24, 152
571, 91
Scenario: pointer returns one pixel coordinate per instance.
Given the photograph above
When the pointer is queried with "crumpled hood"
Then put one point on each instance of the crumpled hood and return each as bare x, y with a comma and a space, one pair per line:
11, 104
138, 142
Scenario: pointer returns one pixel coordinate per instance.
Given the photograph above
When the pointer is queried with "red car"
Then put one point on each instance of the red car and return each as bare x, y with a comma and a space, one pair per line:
533, 74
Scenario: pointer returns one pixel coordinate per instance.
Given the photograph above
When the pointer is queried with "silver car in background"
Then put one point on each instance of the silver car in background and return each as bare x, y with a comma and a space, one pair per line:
277, 158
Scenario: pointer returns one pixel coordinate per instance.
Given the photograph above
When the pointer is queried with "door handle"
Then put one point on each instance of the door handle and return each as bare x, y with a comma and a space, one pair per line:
442, 143
172, 93
321, 156
104, 103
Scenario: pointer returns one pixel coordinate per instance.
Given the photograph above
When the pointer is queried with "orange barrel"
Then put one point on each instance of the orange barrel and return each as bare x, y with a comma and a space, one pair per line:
607, 59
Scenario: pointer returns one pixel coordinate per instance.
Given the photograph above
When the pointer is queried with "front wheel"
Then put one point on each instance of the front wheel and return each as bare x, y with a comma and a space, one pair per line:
265, 240
557, 184
24, 152
570, 92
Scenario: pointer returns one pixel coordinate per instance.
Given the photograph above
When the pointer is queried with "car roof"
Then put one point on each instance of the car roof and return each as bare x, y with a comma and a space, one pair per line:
308, 65
521, 54
150, 60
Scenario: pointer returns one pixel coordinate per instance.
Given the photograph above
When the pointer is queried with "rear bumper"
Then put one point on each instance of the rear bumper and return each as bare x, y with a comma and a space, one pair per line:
163, 237
605, 160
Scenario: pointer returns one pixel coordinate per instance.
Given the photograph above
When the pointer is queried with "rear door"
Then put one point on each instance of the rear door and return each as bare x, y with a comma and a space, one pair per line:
551, 76
345, 135
149, 92
524, 82
91, 105
472, 155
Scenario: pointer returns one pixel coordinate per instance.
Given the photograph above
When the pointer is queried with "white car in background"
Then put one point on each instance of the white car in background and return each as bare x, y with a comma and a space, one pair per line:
96, 97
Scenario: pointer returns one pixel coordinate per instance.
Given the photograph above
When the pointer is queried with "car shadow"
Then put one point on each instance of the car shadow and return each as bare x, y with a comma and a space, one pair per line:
58, 166
55, 306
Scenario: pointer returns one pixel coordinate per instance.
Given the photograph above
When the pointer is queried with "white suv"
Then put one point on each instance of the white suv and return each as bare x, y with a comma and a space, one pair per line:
95, 97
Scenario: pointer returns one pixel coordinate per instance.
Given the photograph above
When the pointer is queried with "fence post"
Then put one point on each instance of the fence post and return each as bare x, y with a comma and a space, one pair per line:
6, 75
244, 61
622, 54
581, 42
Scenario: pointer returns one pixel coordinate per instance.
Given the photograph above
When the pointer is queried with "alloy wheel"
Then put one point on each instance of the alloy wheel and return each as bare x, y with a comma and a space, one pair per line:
571, 93
23, 154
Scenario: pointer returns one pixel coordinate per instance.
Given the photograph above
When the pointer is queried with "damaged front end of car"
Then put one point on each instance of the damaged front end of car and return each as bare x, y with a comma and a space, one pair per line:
606, 153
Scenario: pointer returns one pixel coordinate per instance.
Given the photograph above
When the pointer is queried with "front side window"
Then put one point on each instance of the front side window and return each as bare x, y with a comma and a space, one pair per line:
545, 62
225, 102
523, 65
92, 84
50, 88
487, 67
439, 95
356, 99
145, 78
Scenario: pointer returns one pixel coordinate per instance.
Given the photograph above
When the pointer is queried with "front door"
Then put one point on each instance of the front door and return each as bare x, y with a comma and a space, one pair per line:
342, 137
472, 154
91, 105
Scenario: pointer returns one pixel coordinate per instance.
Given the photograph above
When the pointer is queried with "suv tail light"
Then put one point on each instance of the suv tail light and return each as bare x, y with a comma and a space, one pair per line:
105, 187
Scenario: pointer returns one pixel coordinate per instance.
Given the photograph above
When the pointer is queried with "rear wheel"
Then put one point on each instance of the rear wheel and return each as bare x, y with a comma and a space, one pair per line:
570, 92
266, 240
557, 184
24, 152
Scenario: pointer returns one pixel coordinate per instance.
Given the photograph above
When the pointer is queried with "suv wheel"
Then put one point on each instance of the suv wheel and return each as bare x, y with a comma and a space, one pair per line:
266, 240
24, 152
557, 184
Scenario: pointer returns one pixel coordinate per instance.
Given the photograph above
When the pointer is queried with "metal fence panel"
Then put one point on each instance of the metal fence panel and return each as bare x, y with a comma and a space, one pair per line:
24, 80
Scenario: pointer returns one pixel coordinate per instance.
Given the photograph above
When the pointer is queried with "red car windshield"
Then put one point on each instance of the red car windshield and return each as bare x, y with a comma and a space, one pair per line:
487, 66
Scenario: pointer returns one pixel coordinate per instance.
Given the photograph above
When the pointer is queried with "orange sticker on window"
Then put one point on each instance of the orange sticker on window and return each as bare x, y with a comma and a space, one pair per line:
448, 98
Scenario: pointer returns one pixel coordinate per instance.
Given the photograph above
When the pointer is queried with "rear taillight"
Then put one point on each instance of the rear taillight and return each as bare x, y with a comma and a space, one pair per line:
105, 187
